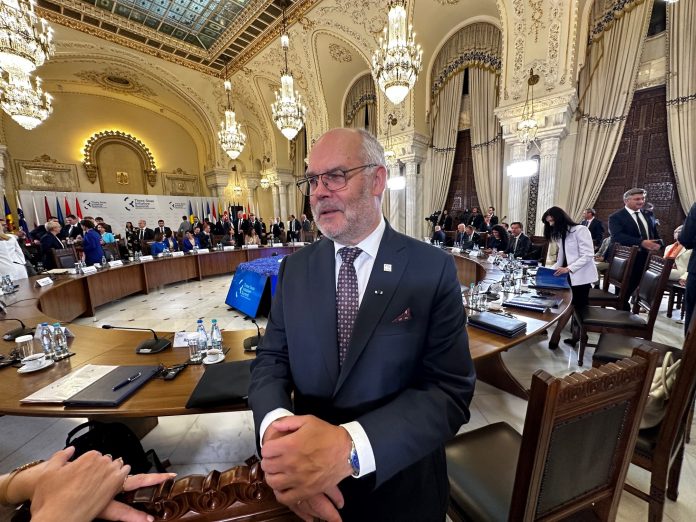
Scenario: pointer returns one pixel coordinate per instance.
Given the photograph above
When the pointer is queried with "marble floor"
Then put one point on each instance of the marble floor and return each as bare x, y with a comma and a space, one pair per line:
200, 443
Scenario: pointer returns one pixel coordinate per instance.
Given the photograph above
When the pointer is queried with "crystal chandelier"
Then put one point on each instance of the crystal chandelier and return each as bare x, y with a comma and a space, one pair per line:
231, 137
528, 127
26, 42
288, 111
397, 61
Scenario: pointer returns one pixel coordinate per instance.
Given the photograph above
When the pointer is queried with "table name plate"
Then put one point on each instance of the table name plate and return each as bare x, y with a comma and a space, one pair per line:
249, 247
89, 270
44, 281
178, 253
118, 262
146, 258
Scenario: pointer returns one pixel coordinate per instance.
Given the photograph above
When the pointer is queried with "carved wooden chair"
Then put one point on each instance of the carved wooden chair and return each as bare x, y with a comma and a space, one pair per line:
572, 457
236, 495
539, 249
660, 450
64, 257
649, 297
618, 274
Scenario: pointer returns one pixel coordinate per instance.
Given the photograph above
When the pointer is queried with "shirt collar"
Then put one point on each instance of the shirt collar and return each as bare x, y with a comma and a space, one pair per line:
632, 212
369, 245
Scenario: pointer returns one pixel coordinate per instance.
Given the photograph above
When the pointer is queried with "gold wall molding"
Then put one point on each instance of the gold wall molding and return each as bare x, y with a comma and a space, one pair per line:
100, 139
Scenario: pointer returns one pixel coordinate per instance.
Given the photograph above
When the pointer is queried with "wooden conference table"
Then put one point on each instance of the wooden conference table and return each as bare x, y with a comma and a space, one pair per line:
73, 296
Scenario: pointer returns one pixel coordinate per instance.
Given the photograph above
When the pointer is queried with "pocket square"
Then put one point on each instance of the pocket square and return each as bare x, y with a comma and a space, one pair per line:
404, 316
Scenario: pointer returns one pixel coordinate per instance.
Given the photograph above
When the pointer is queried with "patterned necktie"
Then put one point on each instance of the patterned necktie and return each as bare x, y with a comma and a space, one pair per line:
347, 299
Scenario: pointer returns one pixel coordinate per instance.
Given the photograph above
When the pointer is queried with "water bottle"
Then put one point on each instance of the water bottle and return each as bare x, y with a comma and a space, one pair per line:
103, 262
202, 337
215, 336
59, 342
47, 340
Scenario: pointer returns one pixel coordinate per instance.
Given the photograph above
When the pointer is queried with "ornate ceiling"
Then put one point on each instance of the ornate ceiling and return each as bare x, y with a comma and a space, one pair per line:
210, 36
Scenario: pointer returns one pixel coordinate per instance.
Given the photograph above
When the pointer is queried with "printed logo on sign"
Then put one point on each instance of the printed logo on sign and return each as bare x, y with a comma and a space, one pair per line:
174, 205
94, 203
139, 203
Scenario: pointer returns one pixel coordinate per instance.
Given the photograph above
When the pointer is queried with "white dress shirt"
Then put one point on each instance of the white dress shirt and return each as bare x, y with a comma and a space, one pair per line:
363, 267
635, 218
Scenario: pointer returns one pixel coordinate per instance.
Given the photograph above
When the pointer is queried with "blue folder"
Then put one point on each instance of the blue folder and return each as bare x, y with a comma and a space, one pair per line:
546, 279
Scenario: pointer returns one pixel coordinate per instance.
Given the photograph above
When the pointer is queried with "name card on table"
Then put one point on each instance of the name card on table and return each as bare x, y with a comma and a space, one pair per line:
44, 281
203, 250
118, 262
89, 270
146, 258
228, 248
250, 247
456, 250
178, 253
277, 245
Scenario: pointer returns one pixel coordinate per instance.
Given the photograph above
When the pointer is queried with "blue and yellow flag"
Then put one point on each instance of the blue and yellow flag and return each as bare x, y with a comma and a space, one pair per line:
9, 220
190, 213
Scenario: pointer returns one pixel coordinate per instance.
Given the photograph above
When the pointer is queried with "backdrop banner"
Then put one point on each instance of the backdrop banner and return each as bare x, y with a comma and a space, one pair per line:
116, 209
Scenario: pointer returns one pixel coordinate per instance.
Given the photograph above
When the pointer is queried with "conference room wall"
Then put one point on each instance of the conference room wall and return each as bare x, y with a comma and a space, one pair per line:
77, 117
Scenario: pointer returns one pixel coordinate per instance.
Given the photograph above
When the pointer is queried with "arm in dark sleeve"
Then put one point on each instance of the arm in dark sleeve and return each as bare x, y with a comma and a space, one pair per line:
687, 236
271, 378
618, 232
422, 417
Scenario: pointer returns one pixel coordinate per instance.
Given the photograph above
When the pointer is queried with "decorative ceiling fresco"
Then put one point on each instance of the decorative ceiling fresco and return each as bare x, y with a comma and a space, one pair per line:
211, 36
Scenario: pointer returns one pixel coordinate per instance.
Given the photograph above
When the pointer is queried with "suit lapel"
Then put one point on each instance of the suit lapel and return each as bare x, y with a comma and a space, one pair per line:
321, 277
379, 291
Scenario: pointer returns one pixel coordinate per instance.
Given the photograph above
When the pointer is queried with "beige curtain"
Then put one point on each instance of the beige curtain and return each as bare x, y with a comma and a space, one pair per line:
681, 97
361, 98
299, 168
486, 138
606, 87
445, 115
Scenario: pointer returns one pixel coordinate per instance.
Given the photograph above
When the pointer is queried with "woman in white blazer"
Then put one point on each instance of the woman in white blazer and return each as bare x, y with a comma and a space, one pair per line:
575, 258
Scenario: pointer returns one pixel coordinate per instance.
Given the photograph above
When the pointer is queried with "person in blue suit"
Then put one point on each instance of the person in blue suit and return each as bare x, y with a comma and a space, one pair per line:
190, 241
364, 371
91, 243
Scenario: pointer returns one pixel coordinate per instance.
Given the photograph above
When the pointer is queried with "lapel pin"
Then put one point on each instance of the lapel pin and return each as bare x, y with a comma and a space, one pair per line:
387, 267
379, 292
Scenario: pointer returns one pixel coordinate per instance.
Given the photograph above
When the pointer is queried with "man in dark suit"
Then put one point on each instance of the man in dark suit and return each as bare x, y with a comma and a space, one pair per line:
144, 233
475, 219
493, 218
518, 244
467, 237
439, 236
595, 225
354, 397
629, 226
293, 228
162, 229
71, 229
687, 238
277, 228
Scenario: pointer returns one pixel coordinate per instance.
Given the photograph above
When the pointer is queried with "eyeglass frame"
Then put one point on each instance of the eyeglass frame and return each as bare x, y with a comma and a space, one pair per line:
307, 179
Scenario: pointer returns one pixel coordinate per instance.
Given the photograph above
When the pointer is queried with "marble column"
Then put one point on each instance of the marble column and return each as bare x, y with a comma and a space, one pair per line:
286, 193
283, 193
3, 166
276, 200
547, 190
397, 199
413, 196
518, 189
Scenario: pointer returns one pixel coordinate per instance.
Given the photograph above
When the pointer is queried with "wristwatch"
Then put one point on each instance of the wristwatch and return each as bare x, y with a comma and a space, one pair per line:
353, 460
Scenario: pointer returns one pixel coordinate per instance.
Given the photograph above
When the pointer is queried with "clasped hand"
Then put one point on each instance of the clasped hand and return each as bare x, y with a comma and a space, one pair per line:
304, 459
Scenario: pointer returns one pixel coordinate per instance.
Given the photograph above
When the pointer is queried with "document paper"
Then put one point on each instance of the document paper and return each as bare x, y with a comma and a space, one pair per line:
69, 385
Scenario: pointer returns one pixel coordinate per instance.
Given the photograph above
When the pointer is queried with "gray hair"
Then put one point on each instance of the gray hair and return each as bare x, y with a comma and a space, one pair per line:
372, 150
633, 192
52, 225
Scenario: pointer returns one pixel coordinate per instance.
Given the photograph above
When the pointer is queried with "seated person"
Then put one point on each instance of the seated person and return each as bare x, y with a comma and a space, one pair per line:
50, 242
79, 491
518, 243
158, 246
251, 237
204, 237
467, 237
170, 241
438, 235
497, 240
190, 241
487, 224
106, 237
680, 255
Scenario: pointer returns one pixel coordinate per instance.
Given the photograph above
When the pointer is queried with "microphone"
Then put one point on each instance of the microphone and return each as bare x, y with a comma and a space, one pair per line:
16, 332
250, 343
155, 345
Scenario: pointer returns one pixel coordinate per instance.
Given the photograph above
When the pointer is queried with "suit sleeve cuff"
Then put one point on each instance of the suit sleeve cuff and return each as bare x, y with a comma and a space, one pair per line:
271, 416
362, 446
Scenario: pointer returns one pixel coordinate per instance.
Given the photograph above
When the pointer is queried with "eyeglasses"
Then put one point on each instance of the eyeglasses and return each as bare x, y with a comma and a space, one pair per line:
333, 180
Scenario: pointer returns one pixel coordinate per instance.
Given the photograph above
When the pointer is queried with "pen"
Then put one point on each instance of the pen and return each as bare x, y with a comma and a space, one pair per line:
127, 381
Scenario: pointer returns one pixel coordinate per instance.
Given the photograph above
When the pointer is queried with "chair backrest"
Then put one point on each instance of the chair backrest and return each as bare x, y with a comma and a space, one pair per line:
578, 439
673, 427
64, 257
112, 248
652, 286
238, 494
542, 244
620, 268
